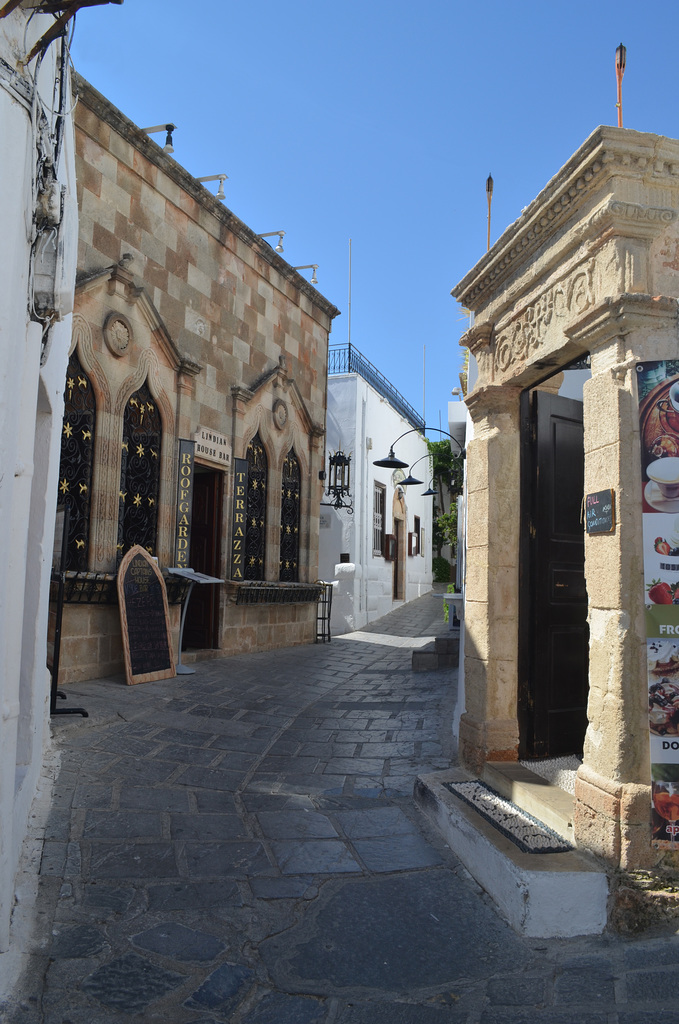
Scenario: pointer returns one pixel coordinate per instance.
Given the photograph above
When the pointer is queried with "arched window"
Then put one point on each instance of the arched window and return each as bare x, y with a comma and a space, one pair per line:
75, 466
255, 530
139, 473
289, 558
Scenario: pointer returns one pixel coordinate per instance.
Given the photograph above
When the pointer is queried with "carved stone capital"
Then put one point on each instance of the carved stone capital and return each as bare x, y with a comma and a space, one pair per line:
493, 400
616, 317
628, 219
241, 394
121, 282
189, 366
478, 337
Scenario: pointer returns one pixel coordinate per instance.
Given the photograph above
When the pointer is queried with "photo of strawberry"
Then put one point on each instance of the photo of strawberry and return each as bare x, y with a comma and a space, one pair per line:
661, 546
661, 593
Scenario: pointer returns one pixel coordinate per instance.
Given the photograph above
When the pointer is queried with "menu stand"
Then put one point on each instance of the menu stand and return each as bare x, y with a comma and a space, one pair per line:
193, 577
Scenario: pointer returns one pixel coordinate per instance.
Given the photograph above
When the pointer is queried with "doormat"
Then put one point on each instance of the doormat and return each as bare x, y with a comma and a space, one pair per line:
525, 831
559, 771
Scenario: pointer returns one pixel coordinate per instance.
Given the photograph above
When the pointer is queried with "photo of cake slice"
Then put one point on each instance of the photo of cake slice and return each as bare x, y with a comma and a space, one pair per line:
663, 658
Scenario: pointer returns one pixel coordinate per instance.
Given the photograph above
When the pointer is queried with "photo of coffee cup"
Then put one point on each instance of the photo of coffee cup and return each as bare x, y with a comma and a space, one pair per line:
665, 475
674, 396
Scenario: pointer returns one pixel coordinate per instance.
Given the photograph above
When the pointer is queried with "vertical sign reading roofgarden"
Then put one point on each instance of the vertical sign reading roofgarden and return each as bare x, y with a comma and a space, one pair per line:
182, 545
240, 487
658, 388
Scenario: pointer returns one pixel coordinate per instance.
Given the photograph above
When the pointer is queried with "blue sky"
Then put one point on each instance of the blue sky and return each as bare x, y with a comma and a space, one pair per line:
379, 121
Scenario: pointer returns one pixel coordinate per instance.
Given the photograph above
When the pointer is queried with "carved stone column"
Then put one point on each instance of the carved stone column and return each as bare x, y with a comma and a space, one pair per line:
489, 726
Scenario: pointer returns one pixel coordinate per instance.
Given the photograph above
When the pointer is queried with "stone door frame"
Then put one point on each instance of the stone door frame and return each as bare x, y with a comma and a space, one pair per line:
588, 268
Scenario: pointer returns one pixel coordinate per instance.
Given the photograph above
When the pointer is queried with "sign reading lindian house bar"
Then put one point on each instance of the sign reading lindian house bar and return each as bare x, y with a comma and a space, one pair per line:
212, 446
240, 486
182, 544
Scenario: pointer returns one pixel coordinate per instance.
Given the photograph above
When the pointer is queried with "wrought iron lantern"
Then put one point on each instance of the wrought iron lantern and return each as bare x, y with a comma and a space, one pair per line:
339, 481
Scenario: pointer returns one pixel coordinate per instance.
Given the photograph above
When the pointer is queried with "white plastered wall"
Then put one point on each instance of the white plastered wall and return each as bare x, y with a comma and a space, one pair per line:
31, 404
364, 424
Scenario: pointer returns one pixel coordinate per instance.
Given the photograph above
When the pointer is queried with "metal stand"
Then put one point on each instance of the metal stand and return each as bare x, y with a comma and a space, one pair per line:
184, 670
59, 576
193, 578
324, 608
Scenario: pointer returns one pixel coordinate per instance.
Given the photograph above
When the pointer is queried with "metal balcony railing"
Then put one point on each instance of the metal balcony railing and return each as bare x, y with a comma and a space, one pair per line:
347, 359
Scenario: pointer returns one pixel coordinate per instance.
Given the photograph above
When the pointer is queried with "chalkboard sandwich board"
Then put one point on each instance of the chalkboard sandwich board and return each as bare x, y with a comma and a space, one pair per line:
600, 512
144, 619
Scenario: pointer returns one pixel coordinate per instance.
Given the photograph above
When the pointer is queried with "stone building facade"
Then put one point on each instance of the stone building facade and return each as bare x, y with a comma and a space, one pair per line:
187, 326
588, 274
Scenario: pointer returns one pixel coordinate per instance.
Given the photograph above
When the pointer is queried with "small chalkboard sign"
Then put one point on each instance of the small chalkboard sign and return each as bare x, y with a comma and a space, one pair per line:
600, 512
144, 619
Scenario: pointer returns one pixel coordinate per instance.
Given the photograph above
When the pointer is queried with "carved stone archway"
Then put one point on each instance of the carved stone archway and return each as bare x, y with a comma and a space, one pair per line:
589, 267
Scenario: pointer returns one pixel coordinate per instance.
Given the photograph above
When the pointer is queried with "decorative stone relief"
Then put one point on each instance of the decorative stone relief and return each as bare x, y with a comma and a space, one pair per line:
117, 334
525, 335
280, 414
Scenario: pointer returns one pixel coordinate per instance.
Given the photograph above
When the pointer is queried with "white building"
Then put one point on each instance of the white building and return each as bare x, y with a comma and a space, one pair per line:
381, 552
39, 232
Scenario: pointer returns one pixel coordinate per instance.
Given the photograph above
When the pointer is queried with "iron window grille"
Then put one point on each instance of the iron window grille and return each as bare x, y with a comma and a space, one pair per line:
255, 527
290, 518
139, 473
75, 465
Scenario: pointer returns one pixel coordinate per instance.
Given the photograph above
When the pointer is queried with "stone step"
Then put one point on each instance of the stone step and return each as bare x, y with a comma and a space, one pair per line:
547, 803
447, 644
442, 652
425, 659
542, 895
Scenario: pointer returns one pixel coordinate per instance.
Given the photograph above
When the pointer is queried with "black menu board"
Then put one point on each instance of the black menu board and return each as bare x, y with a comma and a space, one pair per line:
144, 619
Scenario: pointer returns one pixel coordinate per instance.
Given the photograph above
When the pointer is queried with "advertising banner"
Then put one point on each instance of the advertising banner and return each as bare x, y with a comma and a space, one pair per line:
658, 388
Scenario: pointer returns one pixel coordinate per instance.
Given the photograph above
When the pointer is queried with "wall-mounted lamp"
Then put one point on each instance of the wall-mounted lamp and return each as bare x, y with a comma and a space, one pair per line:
310, 266
430, 490
410, 479
270, 234
169, 128
392, 462
221, 178
339, 481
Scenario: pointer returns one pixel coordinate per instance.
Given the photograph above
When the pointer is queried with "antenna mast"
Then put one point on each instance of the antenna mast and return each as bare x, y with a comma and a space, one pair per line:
349, 303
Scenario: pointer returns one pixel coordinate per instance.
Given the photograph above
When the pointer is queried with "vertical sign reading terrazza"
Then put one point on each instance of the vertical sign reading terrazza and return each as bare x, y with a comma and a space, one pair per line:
658, 387
240, 487
184, 503
144, 619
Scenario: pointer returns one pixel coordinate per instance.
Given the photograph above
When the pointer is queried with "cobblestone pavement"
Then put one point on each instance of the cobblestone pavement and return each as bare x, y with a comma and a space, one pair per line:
241, 845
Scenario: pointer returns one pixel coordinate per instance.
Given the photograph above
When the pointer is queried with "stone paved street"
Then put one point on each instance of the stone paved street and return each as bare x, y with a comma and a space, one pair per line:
241, 845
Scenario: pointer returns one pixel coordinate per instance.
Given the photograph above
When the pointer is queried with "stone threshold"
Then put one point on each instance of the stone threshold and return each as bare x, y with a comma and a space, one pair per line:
545, 895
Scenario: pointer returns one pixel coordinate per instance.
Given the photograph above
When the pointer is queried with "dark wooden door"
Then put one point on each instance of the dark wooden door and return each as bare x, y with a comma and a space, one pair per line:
554, 661
396, 591
202, 617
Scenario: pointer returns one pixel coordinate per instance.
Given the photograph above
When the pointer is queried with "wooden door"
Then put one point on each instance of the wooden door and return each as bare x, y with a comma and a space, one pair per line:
398, 535
554, 655
201, 629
